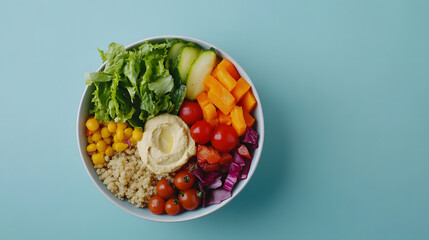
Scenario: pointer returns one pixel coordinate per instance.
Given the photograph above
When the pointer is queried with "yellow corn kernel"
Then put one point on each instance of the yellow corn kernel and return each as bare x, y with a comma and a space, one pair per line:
105, 132
128, 132
101, 146
121, 125
98, 158
92, 124
111, 126
120, 146
109, 151
137, 134
115, 139
89, 139
96, 136
108, 140
133, 142
91, 147
114, 145
120, 134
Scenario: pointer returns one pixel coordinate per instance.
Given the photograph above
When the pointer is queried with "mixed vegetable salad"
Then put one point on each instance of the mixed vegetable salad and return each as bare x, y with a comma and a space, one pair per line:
178, 78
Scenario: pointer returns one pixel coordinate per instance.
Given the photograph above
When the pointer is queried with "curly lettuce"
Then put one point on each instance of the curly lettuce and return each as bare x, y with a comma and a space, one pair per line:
135, 85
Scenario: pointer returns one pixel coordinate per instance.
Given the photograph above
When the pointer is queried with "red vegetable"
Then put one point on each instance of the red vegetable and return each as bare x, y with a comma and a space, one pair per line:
251, 136
218, 195
245, 171
238, 159
224, 138
242, 150
225, 158
209, 167
201, 132
207, 153
230, 181
190, 112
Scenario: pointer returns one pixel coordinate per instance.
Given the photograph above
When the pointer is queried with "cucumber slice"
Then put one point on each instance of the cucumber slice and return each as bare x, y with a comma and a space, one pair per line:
173, 52
202, 66
186, 57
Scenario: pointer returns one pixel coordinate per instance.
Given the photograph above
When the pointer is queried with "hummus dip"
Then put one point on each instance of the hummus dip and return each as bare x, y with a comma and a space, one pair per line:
166, 144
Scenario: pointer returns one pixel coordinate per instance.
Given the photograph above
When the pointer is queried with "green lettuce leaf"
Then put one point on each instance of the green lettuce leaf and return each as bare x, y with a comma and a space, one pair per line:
97, 77
115, 57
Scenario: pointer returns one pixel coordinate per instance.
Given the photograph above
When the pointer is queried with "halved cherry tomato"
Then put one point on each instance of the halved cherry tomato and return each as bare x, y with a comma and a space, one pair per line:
224, 138
172, 206
209, 167
207, 153
242, 150
165, 188
189, 199
157, 205
201, 132
184, 180
225, 158
190, 112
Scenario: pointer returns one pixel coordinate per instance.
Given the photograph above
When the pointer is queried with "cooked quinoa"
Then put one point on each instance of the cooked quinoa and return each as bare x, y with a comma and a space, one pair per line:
126, 177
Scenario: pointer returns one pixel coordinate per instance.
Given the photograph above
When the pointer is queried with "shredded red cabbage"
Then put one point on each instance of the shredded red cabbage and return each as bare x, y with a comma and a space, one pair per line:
210, 178
251, 136
198, 173
235, 167
230, 181
238, 159
245, 171
218, 195
128, 142
225, 168
91, 153
216, 183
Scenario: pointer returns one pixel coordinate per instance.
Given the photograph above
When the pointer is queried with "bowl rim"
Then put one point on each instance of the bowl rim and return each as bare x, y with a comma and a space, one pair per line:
255, 159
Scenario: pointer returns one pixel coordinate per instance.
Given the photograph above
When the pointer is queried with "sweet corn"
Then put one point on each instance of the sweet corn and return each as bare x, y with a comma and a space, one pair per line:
128, 132
101, 146
114, 145
115, 139
109, 151
89, 139
120, 146
91, 147
108, 140
133, 142
105, 132
111, 126
121, 125
137, 134
98, 158
96, 136
120, 134
92, 124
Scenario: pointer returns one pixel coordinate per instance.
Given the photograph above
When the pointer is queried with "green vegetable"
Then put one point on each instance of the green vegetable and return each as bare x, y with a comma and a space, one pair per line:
135, 85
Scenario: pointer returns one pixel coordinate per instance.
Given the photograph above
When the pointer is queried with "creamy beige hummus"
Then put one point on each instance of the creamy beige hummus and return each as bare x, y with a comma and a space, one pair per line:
166, 145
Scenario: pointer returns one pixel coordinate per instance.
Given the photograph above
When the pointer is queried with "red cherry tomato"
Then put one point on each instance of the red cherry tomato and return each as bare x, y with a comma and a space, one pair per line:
209, 167
207, 153
190, 112
165, 188
172, 206
189, 199
224, 138
184, 180
157, 205
201, 132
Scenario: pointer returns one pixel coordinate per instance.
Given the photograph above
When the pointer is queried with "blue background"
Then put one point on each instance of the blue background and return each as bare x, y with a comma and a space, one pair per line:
344, 88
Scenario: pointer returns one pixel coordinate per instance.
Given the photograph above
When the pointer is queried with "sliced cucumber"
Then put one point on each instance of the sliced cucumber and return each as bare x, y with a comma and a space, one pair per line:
186, 57
173, 52
202, 66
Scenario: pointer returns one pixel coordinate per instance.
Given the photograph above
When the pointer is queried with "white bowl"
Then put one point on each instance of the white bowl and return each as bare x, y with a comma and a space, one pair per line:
145, 213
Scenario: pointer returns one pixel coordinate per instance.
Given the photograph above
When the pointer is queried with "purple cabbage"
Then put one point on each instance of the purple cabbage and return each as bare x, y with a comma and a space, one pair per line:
225, 168
245, 171
235, 167
216, 183
210, 178
251, 136
230, 181
218, 195
238, 159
